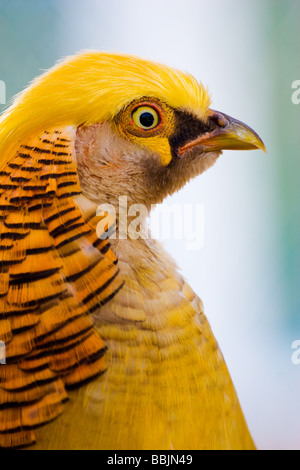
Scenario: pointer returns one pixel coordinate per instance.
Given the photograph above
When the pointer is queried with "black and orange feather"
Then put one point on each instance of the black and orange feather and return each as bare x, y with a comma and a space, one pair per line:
54, 271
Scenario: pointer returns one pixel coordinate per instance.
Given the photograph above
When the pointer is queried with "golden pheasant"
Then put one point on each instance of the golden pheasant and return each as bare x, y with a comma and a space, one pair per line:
103, 333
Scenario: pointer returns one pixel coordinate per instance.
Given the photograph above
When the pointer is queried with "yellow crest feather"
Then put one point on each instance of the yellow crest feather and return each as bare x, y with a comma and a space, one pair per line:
93, 87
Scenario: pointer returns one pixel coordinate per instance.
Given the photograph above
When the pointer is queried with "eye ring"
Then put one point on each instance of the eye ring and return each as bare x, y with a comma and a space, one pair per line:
146, 117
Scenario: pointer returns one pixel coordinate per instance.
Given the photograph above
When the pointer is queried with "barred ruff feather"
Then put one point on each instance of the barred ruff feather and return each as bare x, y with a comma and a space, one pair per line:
91, 88
54, 272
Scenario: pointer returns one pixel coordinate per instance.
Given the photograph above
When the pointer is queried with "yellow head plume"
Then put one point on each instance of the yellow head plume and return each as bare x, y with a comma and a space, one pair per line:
91, 88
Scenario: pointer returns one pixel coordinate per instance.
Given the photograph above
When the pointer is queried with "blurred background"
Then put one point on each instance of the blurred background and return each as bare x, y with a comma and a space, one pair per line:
248, 270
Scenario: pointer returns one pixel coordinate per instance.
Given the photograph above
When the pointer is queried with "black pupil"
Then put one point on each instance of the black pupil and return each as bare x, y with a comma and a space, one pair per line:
147, 119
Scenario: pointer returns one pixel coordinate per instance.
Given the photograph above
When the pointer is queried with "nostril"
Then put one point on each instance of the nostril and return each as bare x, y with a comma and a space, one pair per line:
218, 119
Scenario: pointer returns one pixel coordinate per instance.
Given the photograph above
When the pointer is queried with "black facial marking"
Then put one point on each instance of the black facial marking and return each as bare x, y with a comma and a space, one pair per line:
188, 128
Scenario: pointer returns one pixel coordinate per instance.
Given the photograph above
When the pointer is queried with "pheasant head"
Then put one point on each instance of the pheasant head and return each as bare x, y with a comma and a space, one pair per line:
143, 129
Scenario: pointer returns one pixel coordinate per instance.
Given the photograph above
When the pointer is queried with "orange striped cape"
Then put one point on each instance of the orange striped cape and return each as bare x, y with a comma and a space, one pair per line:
55, 272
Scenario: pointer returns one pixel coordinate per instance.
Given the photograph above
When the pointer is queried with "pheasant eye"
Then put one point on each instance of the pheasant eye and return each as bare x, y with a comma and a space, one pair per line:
146, 118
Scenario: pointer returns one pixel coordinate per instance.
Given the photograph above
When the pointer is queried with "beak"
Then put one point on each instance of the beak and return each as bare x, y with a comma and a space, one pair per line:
226, 134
